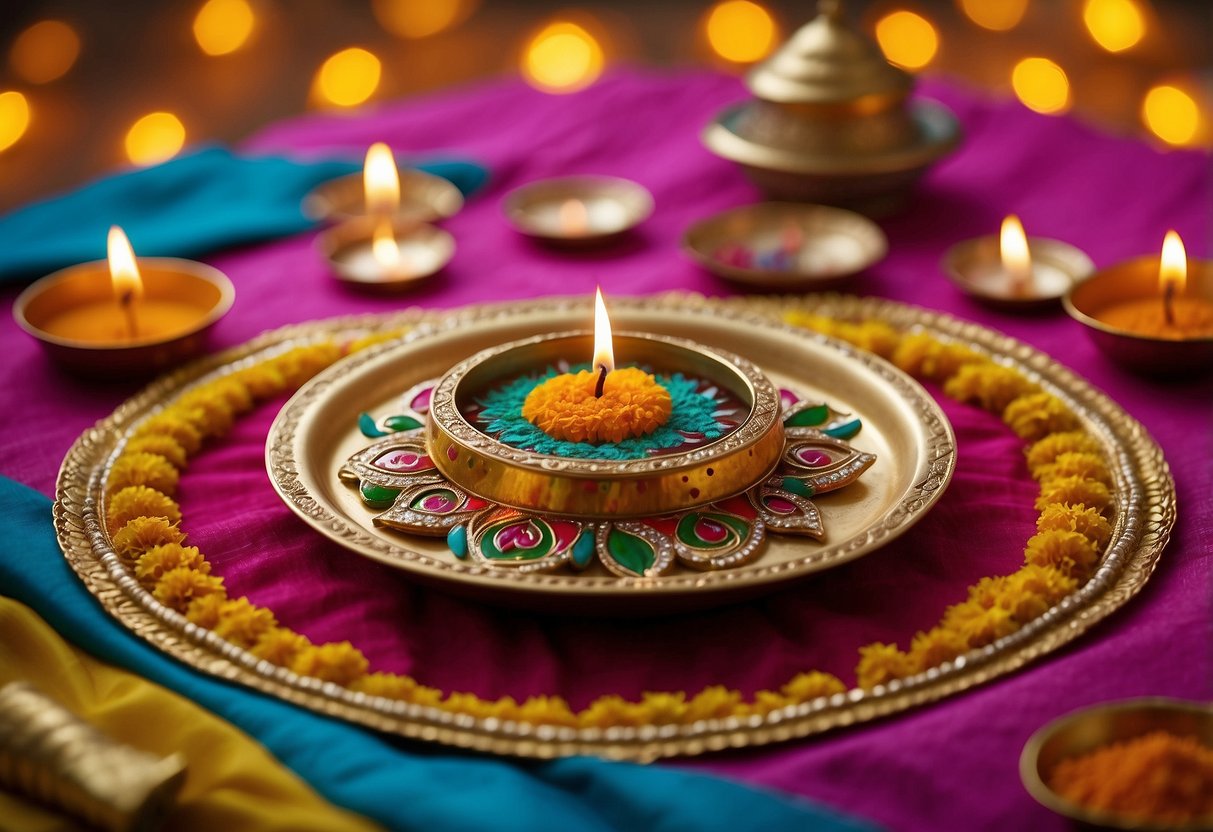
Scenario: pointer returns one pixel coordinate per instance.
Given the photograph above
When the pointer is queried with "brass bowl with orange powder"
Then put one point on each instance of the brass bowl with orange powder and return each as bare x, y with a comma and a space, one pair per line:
1077, 735
619, 488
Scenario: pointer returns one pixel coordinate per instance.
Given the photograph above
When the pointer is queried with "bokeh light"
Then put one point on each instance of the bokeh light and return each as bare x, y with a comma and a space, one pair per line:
1115, 25
14, 118
45, 51
1041, 85
995, 15
223, 26
563, 57
1171, 114
741, 31
907, 39
155, 138
421, 18
348, 78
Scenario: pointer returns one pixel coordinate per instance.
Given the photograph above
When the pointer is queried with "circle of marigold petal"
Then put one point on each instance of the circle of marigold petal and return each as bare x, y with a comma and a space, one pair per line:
565, 407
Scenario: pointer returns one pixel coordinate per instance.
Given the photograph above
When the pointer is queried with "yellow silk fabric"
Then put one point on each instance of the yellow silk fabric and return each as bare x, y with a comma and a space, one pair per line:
232, 783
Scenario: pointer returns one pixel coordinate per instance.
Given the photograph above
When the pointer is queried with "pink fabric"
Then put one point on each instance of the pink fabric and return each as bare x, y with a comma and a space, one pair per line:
949, 765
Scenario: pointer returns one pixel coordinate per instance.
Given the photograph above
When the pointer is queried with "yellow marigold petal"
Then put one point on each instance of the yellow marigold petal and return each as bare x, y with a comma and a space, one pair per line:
138, 501
1046, 581
877, 337
338, 662
1072, 464
205, 611
881, 663
806, 686
1038, 414
230, 391
988, 626
301, 363
210, 414
949, 359
936, 646
153, 563
177, 588
172, 425
262, 380
279, 646
144, 533
387, 685
243, 623
665, 708
1074, 491
151, 470
565, 407
913, 351
161, 445
712, 703
1083, 519
1045, 451
549, 710
990, 385
1069, 552
606, 711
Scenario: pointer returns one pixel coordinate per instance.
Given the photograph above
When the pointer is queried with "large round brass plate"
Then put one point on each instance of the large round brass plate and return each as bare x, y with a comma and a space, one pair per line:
317, 431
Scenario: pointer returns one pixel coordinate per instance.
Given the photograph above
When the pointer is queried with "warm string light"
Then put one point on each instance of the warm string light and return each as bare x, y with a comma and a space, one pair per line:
1041, 85
347, 78
1116, 25
907, 39
45, 51
124, 276
562, 57
223, 26
14, 118
604, 350
154, 138
740, 31
414, 19
1171, 114
1172, 273
995, 15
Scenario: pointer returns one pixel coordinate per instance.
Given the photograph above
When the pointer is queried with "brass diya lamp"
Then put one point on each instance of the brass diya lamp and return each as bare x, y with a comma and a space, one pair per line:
661, 452
831, 122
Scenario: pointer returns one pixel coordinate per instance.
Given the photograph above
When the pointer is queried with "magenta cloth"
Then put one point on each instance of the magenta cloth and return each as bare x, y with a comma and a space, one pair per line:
948, 765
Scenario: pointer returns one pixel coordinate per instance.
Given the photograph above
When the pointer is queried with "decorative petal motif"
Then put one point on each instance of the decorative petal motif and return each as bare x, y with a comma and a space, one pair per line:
786, 513
415, 406
814, 463
633, 549
811, 414
430, 509
505, 538
719, 536
399, 461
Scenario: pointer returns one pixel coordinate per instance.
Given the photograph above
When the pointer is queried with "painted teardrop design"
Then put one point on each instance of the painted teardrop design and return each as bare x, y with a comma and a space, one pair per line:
403, 461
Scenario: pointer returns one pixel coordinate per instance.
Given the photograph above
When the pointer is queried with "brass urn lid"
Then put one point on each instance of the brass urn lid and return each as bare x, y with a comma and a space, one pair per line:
828, 61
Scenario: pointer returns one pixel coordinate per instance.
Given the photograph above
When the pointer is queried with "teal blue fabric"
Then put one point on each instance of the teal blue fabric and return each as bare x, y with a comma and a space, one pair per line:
690, 412
401, 785
197, 203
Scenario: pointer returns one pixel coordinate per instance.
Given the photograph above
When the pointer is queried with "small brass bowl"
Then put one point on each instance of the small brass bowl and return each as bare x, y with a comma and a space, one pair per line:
423, 251
1149, 355
975, 266
1087, 729
577, 211
423, 198
599, 488
834, 244
167, 278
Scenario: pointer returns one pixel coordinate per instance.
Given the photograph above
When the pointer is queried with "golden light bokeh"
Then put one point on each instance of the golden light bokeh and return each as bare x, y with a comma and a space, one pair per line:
348, 78
1171, 114
45, 51
562, 57
1115, 25
14, 118
907, 39
995, 15
223, 26
741, 31
1041, 85
154, 138
421, 18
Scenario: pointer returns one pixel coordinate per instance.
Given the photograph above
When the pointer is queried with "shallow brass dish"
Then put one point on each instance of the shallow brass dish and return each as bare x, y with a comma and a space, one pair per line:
423, 198
577, 211
424, 251
966, 264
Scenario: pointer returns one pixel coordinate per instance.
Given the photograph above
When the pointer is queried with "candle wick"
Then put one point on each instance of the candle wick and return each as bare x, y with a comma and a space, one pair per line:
1168, 303
602, 374
128, 309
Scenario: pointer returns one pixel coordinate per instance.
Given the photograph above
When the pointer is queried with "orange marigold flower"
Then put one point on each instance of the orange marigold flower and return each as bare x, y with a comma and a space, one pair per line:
339, 662
1085, 520
764, 702
934, 647
1073, 464
229, 391
242, 623
565, 407
990, 385
948, 360
138, 501
153, 563
1074, 491
712, 702
987, 627
167, 423
144, 533
1038, 414
913, 351
881, 663
606, 711
211, 415
279, 646
423, 695
549, 710
1047, 450
151, 470
664, 707
877, 337
178, 587
387, 685
205, 611
161, 445
805, 686
1070, 552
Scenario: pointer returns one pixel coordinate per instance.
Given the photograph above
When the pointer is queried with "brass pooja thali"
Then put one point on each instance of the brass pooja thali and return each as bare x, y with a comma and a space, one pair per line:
317, 434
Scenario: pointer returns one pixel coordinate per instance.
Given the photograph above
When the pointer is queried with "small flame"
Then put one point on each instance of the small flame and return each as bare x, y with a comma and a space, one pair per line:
574, 217
604, 353
383, 245
381, 180
1013, 246
1173, 268
124, 272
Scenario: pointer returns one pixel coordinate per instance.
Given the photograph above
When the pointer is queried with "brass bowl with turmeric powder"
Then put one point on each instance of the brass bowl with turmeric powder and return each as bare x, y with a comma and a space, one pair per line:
1141, 764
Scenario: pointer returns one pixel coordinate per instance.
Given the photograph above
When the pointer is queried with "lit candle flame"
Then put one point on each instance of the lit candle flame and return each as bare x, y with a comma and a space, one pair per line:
1172, 273
604, 352
574, 217
381, 180
1013, 246
383, 245
124, 275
